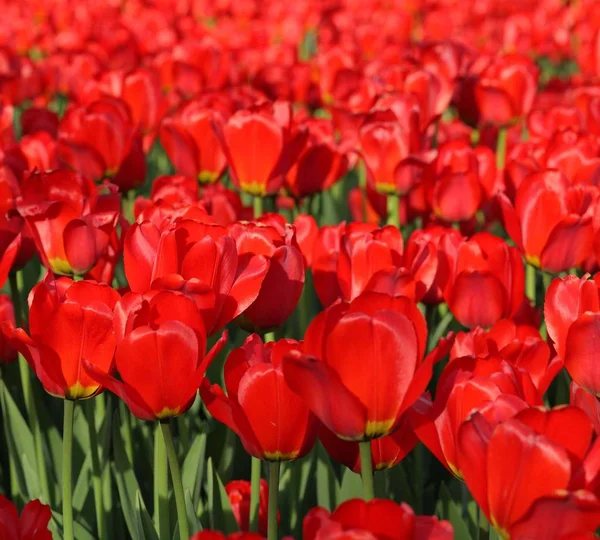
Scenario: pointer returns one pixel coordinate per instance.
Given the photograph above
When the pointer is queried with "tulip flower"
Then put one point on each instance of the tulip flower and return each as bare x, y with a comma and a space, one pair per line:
215, 535
517, 505
551, 221
283, 283
378, 518
485, 267
588, 403
32, 524
572, 314
207, 266
238, 492
191, 143
71, 220
260, 168
69, 323
7, 316
506, 88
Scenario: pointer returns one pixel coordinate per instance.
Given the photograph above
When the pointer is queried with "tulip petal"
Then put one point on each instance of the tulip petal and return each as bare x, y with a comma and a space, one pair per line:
582, 350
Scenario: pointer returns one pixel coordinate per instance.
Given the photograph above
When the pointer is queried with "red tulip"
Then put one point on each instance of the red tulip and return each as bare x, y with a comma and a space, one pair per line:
32, 524
588, 403
386, 452
465, 178
307, 231
284, 281
574, 154
506, 89
260, 168
70, 218
551, 221
215, 535
69, 323
271, 420
149, 331
7, 316
362, 366
356, 519
238, 492
572, 314
191, 143
206, 265
519, 500
99, 140
486, 267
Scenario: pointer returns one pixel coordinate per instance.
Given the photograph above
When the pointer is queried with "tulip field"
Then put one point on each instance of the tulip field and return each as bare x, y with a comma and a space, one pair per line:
313, 270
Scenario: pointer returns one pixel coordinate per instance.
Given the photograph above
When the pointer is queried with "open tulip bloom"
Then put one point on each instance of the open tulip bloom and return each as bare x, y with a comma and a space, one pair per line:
299, 270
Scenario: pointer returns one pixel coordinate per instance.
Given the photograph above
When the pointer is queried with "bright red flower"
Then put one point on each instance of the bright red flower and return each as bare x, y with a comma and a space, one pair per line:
551, 221
588, 403
238, 492
283, 283
71, 219
69, 323
100, 141
307, 231
215, 535
506, 88
191, 143
7, 315
272, 421
386, 452
574, 154
572, 314
485, 267
260, 168
199, 258
362, 366
518, 501
32, 524
150, 329
358, 520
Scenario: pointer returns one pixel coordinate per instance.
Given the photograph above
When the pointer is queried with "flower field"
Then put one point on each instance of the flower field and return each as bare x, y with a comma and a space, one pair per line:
315, 270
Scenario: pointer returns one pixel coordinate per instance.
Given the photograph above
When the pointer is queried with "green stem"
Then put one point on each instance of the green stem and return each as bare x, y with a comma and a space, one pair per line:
274, 467
530, 278
161, 488
89, 409
67, 487
257, 202
269, 336
393, 210
366, 469
254, 493
184, 530
501, 148
16, 279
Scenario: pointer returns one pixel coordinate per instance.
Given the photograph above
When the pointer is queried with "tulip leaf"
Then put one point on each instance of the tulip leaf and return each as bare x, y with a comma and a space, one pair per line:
145, 523
328, 487
400, 489
56, 526
191, 514
192, 471
83, 484
351, 487
127, 485
448, 508
221, 517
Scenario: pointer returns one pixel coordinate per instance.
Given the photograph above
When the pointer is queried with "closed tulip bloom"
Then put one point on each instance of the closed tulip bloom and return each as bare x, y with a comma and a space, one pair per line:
272, 422
71, 220
506, 88
283, 283
362, 366
260, 168
32, 524
572, 314
161, 360
533, 500
238, 492
551, 221
380, 518
200, 259
69, 323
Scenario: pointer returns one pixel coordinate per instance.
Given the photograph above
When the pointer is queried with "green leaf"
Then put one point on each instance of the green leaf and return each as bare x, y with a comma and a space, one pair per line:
328, 487
400, 489
351, 487
192, 471
300, 473
220, 514
56, 526
191, 514
145, 523
83, 484
447, 508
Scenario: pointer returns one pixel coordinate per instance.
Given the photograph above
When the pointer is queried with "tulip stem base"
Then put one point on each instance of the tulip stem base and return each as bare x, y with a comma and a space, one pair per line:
67, 504
274, 468
254, 493
530, 282
393, 210
184, 530
161, 487
89, 408
501, 148
366, 469
257, 202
